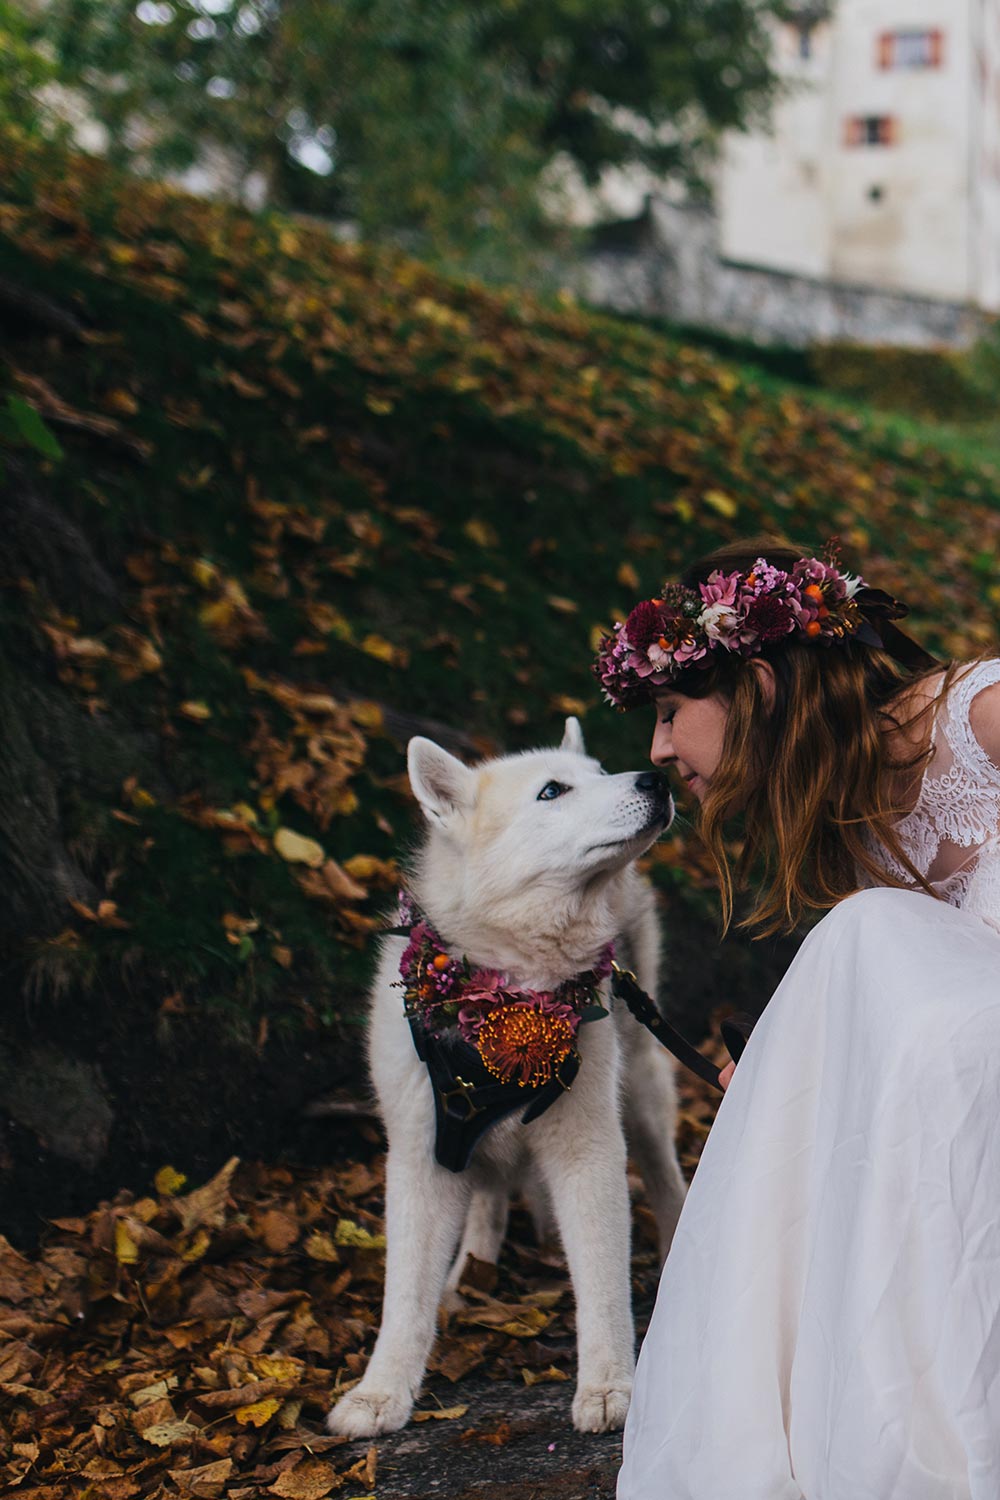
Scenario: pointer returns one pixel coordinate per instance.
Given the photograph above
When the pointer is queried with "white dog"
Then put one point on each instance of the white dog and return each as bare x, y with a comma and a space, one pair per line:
527, 868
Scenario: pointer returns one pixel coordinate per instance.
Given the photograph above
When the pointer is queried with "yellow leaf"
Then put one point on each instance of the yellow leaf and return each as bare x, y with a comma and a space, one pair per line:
562, 606
627, 576
126, 1249
298, 850
378, 405
122, 401
445, 1414
481, 532
258, 1412
368, 715
168, 1181
196, 1249
562, 703
383, 650
195, 709
721, 502
367, 867
684, 509
204, 572
536, 1377
273, 1367
349, 1233
319, 1246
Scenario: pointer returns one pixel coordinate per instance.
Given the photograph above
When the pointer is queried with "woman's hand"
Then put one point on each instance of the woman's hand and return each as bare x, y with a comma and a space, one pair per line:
726, 1074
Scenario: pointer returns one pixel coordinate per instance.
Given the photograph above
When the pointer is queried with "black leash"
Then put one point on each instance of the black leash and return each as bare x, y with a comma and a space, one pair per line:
735, 1029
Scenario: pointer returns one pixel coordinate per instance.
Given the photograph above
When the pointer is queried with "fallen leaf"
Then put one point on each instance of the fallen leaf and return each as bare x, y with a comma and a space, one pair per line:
165, 1434
440, 1414
206, 1206
537, 1377
309, 1480
297, 849
258, 1412
349, 1233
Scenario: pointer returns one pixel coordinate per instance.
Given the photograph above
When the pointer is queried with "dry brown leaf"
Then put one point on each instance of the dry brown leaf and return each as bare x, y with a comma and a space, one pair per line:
206, 1206
309, 1480
440, 1414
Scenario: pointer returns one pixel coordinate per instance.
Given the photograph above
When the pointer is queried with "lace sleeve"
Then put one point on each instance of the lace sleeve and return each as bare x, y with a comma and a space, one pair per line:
961, 795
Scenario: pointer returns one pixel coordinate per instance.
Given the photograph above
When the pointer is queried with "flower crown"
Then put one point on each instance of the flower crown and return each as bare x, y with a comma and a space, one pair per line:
739, 612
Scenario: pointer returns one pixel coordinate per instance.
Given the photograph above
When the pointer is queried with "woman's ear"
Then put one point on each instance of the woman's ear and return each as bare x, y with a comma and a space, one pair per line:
765, 676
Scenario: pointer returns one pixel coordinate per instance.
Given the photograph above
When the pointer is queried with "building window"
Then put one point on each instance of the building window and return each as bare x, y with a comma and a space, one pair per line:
870, 130
911, 49
805, 32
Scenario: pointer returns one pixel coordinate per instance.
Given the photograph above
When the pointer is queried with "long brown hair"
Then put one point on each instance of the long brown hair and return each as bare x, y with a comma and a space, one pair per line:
811, 772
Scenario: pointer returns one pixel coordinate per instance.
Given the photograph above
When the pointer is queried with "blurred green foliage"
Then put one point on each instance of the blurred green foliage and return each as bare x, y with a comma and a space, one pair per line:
434, 121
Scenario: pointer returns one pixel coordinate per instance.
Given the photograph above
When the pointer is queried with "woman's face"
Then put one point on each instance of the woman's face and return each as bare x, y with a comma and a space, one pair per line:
689, 734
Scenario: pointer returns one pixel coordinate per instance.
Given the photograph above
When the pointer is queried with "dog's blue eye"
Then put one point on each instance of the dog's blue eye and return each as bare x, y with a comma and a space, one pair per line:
550, 790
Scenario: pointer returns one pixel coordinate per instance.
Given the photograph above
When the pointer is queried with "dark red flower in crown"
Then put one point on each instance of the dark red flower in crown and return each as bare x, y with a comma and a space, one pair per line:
769, 617
646, 624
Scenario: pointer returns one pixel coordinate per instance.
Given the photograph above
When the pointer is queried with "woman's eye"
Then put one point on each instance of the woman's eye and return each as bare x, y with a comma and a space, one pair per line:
669, 719
550, 790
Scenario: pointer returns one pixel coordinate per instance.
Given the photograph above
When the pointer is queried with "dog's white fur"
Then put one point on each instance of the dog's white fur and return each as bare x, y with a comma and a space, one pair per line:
535, 888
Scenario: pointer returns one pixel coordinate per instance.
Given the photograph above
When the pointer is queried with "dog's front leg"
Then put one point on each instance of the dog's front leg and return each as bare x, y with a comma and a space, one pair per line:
582, 1159
425, 1206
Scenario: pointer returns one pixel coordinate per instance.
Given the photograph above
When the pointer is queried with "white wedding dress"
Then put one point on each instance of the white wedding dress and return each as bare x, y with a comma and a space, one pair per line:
828, 1319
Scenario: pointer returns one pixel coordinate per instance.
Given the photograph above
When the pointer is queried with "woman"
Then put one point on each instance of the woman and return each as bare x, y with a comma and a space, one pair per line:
828, 1320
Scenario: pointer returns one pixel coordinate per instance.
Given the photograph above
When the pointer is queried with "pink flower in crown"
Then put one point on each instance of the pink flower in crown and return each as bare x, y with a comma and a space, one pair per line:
720, 588
768, 580
689, 652
719, 619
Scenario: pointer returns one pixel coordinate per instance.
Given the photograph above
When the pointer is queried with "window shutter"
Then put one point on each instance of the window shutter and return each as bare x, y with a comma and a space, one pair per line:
935, 48
885, 49
852, 131
888, 133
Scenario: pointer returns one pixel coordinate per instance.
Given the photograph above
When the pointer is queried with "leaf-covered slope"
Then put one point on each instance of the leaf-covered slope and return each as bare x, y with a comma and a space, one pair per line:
342, 499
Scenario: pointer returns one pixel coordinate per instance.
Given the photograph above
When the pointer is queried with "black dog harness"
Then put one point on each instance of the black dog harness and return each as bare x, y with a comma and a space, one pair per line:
469, 1099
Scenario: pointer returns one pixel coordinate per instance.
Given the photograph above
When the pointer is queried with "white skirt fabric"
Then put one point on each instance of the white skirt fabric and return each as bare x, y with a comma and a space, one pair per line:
828, 1319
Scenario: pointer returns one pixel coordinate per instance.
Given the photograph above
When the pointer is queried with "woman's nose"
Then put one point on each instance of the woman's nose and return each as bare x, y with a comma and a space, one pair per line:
661, 751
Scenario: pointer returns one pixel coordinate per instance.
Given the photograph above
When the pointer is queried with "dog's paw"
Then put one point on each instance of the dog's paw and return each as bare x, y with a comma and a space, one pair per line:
362, 1414
601, 1408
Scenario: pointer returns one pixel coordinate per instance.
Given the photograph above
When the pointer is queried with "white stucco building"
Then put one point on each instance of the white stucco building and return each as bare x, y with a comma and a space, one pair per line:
870, 210
883, 168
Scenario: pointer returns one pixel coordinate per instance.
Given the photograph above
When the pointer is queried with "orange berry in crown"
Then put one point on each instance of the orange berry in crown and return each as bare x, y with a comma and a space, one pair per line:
814, 628
823, 612
440, 960
813, 591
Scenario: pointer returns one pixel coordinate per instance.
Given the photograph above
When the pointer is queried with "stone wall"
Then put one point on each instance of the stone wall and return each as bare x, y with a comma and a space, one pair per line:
667, 263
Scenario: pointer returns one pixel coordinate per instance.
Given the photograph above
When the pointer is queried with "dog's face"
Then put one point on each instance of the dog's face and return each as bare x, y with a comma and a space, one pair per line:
543, 817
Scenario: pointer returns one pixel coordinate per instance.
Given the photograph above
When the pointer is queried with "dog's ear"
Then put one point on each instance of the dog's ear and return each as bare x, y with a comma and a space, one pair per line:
573, 737
441, 784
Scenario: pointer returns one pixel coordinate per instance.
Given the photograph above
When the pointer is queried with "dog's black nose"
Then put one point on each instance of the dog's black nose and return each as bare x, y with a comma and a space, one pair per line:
651, 781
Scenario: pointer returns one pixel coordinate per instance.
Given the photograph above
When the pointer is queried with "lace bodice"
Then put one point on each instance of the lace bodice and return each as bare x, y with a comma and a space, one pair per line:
952, 834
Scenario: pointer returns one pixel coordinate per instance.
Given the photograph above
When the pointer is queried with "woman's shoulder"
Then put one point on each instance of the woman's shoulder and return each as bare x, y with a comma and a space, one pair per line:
964, 696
